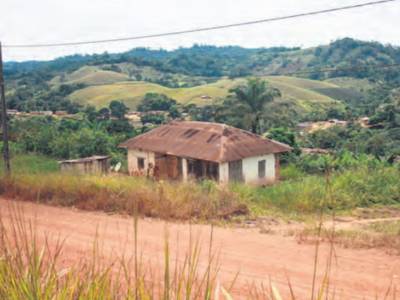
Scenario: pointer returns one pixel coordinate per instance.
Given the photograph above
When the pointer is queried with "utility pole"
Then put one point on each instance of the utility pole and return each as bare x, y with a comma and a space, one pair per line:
6, 151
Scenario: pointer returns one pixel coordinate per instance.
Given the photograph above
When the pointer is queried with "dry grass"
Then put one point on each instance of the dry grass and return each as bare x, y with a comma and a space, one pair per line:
120, 194
33, 268
377, 235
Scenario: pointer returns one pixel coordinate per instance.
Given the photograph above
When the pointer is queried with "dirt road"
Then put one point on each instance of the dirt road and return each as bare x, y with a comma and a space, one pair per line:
356, 274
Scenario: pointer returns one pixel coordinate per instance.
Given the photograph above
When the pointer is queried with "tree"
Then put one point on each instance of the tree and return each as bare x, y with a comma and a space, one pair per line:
155, 101
118, 109
103, 114
90, 112
251, 98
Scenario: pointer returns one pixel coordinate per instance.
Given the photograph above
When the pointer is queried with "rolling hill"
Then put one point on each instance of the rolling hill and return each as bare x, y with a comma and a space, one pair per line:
204, 74
303, 92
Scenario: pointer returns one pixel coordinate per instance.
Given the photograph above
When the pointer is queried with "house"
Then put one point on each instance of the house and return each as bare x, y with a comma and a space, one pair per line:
187, 149
61, 113
87, 165
12, 112
308, 151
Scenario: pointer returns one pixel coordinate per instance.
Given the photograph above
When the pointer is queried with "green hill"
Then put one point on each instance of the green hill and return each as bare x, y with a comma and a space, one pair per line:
90, 75
131, 93
301, 91
199, 74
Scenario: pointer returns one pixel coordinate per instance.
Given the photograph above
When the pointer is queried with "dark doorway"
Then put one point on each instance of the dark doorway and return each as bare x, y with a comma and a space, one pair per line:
201, 169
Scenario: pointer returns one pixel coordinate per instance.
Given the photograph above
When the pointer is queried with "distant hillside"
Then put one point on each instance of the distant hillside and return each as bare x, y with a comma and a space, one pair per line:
303, 93
211, 61
201, 74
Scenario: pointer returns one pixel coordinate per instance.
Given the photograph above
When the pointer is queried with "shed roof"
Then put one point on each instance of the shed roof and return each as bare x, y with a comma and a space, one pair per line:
206, 141
85, 159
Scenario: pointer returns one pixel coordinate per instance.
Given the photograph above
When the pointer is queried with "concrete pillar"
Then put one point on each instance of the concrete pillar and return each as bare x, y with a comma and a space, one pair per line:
184, 170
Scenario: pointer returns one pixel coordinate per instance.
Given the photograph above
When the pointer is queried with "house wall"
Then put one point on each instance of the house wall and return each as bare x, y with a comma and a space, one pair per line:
249, 165
90, 167
133, 155
250, 170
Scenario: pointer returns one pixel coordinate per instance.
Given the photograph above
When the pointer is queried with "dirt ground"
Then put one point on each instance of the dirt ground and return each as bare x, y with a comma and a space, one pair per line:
259, 258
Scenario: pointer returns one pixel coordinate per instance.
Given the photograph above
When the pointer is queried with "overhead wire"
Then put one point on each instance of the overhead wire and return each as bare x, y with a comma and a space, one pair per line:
200, 29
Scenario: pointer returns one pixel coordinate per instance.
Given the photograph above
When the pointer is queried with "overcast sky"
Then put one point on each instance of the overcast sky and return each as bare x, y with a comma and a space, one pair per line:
48, 21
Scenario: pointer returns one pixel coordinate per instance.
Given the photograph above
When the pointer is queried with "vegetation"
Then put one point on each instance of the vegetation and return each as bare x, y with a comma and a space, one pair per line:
32, 268
362, 182
91, 133
249, 100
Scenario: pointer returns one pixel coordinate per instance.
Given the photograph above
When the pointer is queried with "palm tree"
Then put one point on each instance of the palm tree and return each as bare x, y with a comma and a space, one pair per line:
251, 99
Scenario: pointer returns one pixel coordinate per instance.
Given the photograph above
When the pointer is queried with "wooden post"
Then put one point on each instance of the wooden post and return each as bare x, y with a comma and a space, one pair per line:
6, 151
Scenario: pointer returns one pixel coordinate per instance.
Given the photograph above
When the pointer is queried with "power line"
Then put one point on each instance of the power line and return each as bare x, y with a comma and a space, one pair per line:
323, 70
317, 71
201, 29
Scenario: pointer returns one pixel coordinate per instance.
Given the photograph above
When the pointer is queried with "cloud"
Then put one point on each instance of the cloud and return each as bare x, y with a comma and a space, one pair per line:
47, 21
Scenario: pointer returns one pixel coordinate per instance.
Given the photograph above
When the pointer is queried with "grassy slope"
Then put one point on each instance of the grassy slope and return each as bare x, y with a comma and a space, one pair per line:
91, 76
297, 89
132, 92
351, 83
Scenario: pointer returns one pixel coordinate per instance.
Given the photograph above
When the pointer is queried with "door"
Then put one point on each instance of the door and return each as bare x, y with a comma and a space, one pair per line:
235, 171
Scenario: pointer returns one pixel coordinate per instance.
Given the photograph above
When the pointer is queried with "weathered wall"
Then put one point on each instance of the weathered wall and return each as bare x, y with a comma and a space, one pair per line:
133, 155
90, 167
250, 169
224, 173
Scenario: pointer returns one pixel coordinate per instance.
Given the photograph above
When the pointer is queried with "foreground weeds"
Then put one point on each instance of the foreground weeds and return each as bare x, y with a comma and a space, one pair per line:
33, 268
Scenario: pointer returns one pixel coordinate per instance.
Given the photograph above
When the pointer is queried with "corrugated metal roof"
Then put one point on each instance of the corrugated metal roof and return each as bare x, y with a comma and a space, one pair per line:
206, 141
85, 159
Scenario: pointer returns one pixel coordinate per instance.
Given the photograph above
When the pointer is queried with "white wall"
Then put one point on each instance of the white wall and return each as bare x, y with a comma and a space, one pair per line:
250, 169
133, 155
224, 173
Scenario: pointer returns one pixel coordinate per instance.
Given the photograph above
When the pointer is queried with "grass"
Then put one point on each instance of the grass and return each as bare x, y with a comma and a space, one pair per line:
31, 164
298, 196
360, 85
118, 193
31, 267
91, 75
132, 92
377, 235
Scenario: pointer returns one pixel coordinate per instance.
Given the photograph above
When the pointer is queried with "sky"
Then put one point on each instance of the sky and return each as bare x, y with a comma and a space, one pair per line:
52, 21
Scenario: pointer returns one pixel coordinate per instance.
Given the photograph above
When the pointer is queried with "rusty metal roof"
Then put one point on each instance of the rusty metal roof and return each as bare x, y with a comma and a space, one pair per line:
84, 159
206, 141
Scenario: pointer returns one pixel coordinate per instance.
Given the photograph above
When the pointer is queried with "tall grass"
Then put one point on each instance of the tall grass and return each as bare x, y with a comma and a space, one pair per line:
298, 194
165, 200
358, 187
30, 164
31, 267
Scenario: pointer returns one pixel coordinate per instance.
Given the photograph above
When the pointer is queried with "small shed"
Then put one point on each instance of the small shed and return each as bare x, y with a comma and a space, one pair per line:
87, 165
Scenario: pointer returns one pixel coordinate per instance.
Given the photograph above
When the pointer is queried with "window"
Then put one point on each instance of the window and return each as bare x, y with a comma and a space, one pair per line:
261, 169
140, 163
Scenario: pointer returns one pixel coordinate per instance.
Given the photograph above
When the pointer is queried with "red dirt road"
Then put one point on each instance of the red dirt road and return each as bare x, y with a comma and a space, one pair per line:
356, 274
